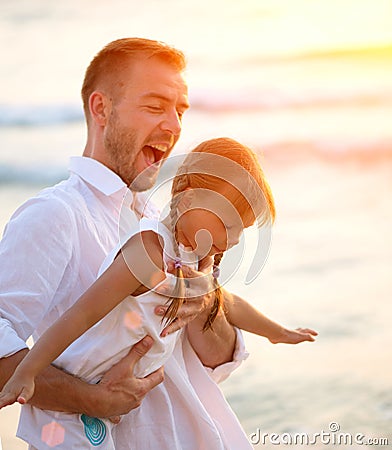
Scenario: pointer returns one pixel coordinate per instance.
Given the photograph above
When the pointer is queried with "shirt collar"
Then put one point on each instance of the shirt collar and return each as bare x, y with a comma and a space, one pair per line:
96, 174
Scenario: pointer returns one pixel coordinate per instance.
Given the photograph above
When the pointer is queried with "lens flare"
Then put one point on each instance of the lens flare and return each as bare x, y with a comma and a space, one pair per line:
53, 434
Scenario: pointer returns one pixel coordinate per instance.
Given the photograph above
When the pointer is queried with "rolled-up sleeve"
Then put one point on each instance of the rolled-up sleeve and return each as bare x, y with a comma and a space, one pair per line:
220, 373
34, 252
10, 342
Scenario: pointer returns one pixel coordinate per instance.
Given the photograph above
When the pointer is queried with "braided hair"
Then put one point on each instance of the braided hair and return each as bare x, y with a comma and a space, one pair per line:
218, 300
178, 296
244, 186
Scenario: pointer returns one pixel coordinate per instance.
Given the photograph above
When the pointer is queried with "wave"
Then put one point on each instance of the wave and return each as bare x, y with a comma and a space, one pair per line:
39, 114
40, 176
11, 174
204, 100
251, 100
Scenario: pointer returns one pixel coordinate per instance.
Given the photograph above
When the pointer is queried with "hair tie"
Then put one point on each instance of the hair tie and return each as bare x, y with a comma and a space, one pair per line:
177, 264
215, 272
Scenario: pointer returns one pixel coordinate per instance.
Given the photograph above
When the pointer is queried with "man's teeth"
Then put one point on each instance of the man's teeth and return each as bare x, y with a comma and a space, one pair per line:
160, 148
154, 153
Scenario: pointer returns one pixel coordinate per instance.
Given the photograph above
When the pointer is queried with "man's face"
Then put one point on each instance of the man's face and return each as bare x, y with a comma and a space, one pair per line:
145, 120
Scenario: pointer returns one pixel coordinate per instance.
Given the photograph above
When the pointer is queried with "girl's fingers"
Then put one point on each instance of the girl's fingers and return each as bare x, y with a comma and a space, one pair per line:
309, 337
308, 331
21, 399
115, 419
7, 399
25, 395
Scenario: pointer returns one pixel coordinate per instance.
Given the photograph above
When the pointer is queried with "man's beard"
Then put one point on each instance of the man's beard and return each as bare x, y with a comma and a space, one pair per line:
121, 145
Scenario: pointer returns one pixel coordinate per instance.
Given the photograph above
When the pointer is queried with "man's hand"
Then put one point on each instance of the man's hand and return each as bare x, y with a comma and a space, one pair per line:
119, 391
199, 298
213, 347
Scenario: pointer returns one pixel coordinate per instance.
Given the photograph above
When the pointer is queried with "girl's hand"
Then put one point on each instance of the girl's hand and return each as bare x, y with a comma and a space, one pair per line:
18, 388
294, 336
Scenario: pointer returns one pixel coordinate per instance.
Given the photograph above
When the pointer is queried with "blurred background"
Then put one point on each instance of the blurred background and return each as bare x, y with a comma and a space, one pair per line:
308, 85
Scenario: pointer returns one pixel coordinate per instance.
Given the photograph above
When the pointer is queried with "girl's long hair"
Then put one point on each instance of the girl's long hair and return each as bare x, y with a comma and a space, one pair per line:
231, 169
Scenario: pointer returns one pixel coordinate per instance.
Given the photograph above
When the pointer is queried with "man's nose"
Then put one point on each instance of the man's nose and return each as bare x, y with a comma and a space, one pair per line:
172, 123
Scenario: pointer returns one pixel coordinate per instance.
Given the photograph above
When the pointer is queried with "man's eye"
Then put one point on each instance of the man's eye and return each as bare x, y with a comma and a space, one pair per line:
156, 109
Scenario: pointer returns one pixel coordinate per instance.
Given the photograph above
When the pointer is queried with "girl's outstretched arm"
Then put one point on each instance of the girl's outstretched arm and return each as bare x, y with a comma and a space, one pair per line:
116, 283
246, 317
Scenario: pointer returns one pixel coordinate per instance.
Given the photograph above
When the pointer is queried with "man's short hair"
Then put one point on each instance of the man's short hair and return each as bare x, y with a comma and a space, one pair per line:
118, 54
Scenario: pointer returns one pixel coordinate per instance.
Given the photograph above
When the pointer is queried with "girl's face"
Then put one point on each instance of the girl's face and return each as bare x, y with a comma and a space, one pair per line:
209, 229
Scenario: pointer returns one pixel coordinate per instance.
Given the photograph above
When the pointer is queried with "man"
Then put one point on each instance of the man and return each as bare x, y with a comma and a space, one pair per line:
134, 96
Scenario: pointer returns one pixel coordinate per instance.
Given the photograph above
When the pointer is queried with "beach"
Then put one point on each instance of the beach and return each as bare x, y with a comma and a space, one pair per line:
329, 268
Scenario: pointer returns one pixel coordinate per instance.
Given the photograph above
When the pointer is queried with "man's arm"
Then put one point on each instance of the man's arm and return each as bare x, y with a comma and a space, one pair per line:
216, 346
117, 393
55, 390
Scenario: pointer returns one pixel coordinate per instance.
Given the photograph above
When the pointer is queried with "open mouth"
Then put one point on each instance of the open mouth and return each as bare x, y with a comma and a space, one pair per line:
154, 153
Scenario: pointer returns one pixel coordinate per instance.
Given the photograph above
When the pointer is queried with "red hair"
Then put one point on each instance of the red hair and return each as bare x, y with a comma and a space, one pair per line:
235, 172
117, 55
231, 169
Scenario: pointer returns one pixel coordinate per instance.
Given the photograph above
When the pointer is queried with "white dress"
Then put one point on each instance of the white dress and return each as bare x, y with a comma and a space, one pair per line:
176, 415
121, 328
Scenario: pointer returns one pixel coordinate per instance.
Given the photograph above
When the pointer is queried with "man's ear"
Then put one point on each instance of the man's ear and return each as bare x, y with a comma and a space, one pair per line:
100, 108
186, 200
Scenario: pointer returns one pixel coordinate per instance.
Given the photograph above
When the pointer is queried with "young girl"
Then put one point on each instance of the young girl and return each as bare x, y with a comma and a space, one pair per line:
218, 191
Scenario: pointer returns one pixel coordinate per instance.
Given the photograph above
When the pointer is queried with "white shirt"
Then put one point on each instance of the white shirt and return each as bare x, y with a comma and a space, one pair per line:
50, 254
